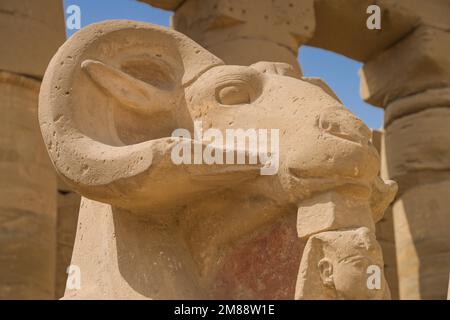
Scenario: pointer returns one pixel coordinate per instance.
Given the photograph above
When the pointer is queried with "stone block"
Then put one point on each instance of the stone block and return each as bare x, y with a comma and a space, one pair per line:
330, 211
341, 27
428, 99
418, 62
418, 142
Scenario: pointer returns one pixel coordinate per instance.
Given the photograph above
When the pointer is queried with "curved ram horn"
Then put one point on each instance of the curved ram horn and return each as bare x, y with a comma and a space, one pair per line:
72, 116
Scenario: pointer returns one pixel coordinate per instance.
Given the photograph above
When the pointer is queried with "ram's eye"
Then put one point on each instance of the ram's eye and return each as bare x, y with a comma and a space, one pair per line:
233, 95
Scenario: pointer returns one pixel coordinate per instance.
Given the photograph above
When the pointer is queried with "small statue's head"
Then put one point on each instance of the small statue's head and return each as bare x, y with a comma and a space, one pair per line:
345, 264
116, 91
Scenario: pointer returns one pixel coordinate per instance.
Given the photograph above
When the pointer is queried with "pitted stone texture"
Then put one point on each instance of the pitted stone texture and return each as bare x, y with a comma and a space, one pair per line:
422, 235
417, 63
154, 229
27, 208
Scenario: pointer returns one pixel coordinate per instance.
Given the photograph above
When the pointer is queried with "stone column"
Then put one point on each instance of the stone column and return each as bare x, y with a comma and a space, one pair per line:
66, 227
244, 32
385, 230
30, 33
27, 189
411, 80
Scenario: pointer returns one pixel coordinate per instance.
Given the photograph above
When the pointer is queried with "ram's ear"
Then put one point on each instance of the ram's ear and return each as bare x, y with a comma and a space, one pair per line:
320, 83
130, 71
383, 193
130, 92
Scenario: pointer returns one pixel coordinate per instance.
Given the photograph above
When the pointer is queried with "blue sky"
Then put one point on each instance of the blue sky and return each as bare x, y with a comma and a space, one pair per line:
340, 73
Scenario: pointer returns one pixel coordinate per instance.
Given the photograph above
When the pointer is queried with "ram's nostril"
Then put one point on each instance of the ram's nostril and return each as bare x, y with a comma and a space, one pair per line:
341, 123
324, 124
329, 125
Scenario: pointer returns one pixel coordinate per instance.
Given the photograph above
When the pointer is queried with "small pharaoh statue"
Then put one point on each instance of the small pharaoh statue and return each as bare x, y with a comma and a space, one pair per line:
337, 265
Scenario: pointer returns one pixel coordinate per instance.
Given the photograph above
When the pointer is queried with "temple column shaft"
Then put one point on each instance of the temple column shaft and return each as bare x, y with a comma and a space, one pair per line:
244, 32
30, 32
411, 81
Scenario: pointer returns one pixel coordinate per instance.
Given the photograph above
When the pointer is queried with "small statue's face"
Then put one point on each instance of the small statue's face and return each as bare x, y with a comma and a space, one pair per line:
353, 277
